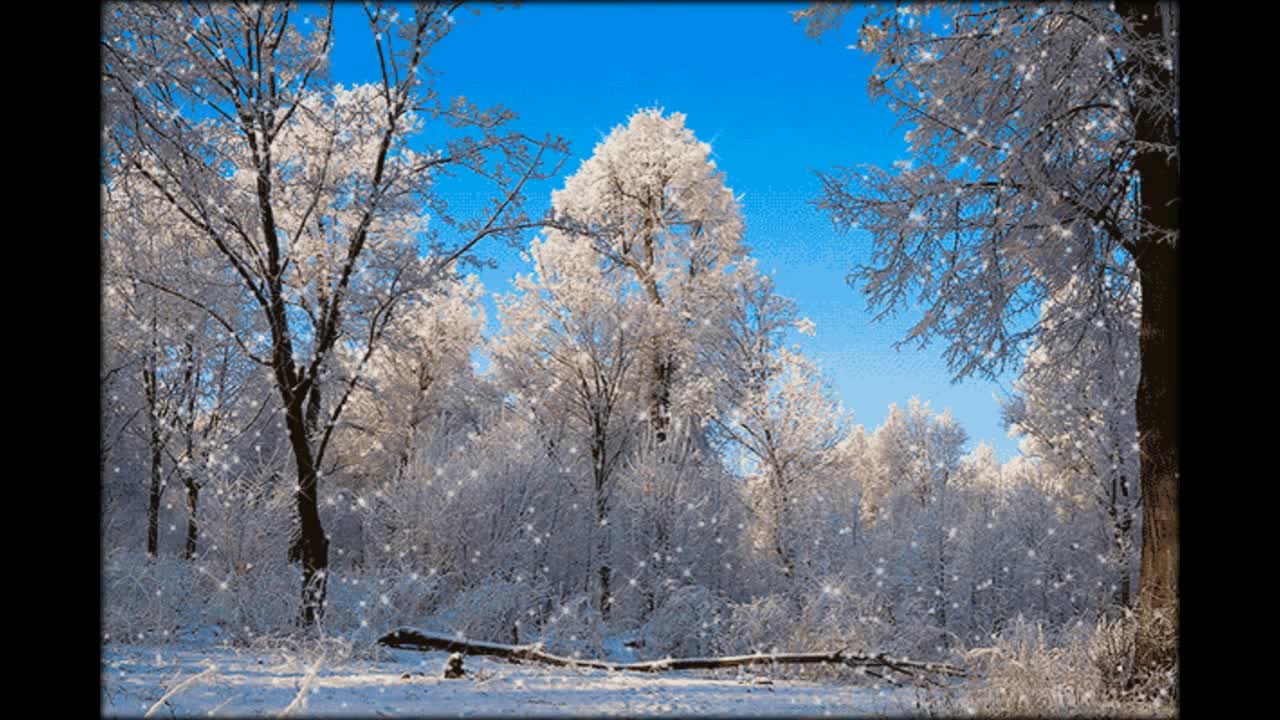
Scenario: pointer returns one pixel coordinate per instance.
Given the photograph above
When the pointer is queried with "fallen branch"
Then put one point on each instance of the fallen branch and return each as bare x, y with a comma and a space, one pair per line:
299, 701
180, 687
413, 639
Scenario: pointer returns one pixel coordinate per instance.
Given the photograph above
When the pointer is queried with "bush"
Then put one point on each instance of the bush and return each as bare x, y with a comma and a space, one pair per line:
574, 628
820, 617
146, 600
762, 624
495, 610
684, 624
365, 606
1085, 672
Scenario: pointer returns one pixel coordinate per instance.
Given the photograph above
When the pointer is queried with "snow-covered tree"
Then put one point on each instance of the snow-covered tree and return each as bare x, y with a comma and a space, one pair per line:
309, 191
652, 204
915, 458
785, 419
421, 373
1074, 406
143, 338
570, 356
1044, 151
188, 380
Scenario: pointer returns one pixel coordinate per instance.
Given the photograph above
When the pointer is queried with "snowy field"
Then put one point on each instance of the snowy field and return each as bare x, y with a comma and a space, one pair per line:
222, 681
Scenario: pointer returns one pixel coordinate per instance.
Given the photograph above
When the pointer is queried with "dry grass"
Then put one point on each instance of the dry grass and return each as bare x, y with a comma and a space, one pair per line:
1086, 671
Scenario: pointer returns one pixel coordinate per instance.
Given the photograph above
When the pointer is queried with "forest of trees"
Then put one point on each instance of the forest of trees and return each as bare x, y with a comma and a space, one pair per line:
295, 430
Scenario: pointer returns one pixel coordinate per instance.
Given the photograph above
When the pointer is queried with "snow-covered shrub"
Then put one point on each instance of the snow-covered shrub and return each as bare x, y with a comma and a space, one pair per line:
365, 606
823, 616
168, 599
1110, 648
495, 610
146, 600
673, 527
762, 624
574, 628
1028, 673
299, 652
685, 624
253, 599
833, 615
240, 567
1110, 644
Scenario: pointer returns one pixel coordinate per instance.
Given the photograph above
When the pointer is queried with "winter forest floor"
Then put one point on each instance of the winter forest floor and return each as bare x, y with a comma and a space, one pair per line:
244, 682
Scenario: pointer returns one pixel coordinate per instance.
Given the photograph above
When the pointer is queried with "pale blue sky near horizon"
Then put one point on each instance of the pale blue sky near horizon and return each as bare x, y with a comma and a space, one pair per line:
774, 104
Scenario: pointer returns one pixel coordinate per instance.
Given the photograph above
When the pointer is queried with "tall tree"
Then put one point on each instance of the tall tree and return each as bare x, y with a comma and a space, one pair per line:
1075, 407
780, 411
310, 191
652, 204
156, 332
1044, 145
569, 353
916, 456
195, 385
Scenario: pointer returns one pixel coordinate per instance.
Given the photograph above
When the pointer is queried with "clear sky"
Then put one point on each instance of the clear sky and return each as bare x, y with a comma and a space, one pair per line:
774, 104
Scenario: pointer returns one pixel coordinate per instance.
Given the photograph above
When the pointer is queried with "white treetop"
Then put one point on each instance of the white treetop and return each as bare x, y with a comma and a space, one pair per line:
654, 207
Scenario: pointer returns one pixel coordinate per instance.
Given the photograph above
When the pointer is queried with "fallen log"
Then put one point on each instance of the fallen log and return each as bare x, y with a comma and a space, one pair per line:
414, 639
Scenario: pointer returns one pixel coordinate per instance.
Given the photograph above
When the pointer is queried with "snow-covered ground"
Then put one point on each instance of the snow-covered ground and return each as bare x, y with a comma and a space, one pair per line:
227, 681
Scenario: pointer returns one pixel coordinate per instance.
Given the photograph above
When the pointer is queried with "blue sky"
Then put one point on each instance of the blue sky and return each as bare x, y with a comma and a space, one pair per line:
774, 104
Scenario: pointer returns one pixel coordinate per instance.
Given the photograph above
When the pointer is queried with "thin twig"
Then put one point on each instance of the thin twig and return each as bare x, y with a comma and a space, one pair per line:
179, 688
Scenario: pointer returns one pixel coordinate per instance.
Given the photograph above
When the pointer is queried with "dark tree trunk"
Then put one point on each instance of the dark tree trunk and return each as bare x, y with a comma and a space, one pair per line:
600, 479
153, 498
1121, 541
193, 528
598, 450
151, 386
312, 547
780, 523
1157, 409
660, 397
788, 567
605, 599
190, 376
1158, 266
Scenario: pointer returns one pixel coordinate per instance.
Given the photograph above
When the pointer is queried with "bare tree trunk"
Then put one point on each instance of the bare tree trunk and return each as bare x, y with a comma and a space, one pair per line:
779, 502
1121, 542
193, 530
150, 383
599, 448
1157, 409
660, 397
1158, 266
153, 497
312, 546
